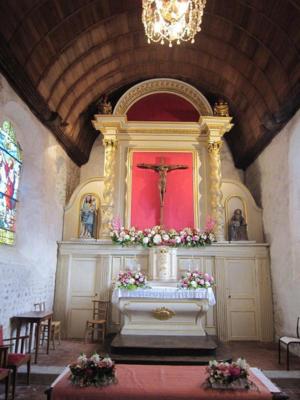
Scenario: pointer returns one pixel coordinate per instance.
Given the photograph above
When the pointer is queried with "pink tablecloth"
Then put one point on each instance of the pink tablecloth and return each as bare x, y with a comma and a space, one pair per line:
157, 382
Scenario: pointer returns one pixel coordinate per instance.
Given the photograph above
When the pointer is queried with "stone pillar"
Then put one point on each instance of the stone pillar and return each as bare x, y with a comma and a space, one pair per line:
107, 207
214, 149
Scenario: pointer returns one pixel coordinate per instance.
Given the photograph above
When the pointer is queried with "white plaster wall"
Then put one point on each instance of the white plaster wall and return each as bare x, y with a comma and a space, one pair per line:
95, 165
27, 269
274, 179
229, 171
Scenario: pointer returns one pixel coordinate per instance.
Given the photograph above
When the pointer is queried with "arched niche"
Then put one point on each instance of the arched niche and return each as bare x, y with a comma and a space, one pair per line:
163, 86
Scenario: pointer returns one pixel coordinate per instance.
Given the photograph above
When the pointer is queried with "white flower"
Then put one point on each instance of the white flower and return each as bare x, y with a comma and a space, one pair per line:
178, 239
132, 280
165, 237
132, 239
242, 363
126, 237
82, 359
95, 358
107, 361
145, 240
194, 284
157, 239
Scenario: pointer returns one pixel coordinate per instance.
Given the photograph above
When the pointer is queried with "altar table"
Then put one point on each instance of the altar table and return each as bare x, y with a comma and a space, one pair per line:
161, 382
163, 310
165, 292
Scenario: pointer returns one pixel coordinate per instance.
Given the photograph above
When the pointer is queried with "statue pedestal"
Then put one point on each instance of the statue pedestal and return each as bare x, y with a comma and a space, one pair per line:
163, 263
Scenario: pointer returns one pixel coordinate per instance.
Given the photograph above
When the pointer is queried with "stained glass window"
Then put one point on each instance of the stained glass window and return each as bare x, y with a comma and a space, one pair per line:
10, 169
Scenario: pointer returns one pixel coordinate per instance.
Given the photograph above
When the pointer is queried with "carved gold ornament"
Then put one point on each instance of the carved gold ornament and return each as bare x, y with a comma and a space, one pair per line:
163, 314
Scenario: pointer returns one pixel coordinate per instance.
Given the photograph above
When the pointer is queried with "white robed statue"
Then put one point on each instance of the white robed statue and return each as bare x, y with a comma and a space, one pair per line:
88, 213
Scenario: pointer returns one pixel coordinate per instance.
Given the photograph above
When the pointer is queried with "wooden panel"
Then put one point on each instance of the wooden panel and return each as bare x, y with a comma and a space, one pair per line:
62, 56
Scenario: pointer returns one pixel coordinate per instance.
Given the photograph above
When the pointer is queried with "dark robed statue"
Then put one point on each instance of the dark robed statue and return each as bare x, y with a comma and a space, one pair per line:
162, 169
237, 227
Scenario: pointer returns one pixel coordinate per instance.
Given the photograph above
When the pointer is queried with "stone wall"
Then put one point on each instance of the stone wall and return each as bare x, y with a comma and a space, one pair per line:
274, 179
27, 269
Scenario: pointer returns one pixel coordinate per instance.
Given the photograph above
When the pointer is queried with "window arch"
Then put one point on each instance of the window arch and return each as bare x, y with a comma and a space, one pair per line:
10, 169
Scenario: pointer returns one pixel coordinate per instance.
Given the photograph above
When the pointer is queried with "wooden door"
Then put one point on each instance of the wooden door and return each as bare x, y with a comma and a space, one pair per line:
84, 286
242, 315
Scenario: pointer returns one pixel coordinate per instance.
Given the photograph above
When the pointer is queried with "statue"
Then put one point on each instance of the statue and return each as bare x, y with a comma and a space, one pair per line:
88, 214
237, 227
104, 106
162, 169
221, 108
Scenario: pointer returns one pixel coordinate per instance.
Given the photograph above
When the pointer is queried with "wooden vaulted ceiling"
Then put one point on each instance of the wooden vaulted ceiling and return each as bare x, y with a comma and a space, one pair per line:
62, 55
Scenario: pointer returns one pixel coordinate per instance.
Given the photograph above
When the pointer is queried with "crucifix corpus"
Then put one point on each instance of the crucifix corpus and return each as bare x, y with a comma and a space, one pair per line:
162, 170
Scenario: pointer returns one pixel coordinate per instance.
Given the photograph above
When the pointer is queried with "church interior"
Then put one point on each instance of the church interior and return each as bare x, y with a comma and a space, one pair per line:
149, 197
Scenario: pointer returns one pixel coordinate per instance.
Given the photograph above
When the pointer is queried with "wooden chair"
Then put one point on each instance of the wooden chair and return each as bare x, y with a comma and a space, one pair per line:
55, 326
98, 321
4, 371
16, 357
287, 341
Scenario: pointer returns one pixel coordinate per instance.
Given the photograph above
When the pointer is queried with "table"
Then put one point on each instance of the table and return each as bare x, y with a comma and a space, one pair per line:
165, 292
34, 317
154, 382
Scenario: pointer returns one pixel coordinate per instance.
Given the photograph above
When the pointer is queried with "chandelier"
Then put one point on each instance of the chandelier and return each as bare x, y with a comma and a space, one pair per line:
172, 20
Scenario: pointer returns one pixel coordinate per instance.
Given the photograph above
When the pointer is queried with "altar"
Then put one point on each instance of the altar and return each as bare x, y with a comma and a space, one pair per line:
164, 172
163, 310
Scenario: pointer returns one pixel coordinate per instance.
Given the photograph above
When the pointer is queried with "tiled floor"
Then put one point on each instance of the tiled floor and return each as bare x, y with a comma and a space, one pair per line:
262, 355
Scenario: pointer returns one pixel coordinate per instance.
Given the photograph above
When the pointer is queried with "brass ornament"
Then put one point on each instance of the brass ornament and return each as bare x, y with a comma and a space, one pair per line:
163, 314
221, 108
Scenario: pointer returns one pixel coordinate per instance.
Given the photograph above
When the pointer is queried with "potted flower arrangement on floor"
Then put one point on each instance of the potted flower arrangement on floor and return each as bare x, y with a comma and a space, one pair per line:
94, 371
224, 375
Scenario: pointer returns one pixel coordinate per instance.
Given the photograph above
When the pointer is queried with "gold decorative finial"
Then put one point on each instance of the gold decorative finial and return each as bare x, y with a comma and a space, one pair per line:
104, 106
221, 108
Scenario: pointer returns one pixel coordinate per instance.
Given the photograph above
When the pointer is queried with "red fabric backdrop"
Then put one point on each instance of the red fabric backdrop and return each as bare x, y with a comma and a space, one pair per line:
163, 107
145, 203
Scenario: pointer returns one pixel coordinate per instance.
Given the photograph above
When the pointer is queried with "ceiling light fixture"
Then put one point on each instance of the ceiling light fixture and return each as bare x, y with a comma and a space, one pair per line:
172, 20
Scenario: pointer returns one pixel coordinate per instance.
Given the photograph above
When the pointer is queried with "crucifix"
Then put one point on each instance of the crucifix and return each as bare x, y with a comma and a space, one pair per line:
162, 170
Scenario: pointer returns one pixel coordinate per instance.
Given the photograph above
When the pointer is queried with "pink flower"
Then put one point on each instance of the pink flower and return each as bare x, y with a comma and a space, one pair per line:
235, 371
210, 224
116, 223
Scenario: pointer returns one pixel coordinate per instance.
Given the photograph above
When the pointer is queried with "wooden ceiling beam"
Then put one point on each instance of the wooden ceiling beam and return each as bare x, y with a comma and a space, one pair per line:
19, 80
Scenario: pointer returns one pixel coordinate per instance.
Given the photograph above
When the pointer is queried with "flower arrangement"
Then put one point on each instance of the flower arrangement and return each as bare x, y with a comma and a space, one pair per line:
93, 371
131, 280
157, 236
224, 375
196, 280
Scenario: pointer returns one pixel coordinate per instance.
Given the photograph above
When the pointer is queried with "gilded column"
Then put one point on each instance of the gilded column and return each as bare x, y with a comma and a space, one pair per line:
107, 207
214, 150
215, 127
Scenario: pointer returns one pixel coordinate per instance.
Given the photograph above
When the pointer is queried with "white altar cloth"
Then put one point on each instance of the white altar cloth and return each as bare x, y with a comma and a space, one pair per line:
160, 292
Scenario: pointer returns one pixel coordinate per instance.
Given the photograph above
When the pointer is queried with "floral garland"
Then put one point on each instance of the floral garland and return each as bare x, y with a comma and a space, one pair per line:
229, 375
157, 236
93, 371
196, 280
131, 280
